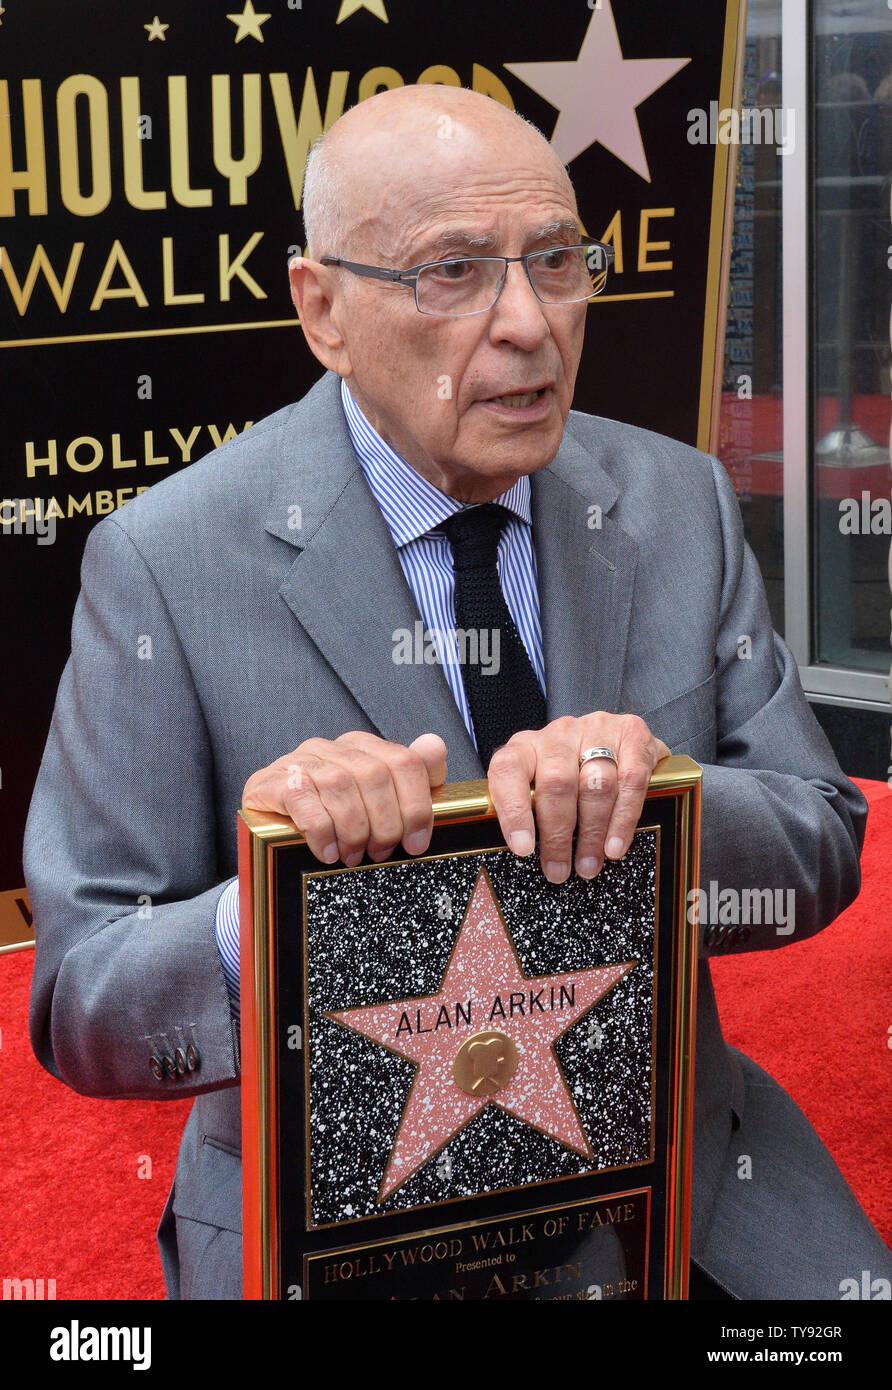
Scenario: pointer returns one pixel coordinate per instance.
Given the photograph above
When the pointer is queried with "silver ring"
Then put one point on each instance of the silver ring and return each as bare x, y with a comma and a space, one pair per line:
590, 753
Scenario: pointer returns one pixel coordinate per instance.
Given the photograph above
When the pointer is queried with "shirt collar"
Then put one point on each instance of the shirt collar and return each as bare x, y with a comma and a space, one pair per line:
410, 504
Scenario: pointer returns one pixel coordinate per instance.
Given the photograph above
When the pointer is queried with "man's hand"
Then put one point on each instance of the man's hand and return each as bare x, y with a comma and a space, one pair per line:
360, 794
355, 794
600, 801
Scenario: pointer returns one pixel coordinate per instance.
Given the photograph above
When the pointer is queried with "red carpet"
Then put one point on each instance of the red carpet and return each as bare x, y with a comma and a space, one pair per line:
72, 1204
817, 1016
74, 1208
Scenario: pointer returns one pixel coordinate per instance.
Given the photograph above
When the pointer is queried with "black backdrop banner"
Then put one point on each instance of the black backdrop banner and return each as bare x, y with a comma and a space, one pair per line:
151, 172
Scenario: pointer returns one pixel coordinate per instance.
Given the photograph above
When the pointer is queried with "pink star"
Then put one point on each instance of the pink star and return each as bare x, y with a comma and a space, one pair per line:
483, 990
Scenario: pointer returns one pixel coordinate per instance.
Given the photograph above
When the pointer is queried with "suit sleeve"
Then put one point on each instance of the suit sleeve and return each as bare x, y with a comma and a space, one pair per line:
128, 994
778, 812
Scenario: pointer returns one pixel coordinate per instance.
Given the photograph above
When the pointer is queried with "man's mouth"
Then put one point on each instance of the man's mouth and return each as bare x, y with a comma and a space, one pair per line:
517, 400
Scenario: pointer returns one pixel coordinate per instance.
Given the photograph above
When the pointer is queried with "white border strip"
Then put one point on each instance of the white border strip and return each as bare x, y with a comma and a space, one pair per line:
795, 299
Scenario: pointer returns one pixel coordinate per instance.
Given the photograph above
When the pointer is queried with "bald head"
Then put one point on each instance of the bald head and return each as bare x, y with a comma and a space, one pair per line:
446, 178
360, 171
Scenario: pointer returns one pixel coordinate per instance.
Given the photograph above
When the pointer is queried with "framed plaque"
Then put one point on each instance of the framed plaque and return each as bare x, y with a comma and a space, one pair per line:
461, 1081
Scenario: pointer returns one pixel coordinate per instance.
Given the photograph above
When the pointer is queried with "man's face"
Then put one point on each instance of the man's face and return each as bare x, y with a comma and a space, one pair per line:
432, 385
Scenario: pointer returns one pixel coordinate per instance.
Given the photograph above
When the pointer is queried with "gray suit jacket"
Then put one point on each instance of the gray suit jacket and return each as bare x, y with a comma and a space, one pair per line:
212, 635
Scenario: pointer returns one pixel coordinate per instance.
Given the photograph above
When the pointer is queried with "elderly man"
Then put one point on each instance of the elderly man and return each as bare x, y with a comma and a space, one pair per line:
436, 471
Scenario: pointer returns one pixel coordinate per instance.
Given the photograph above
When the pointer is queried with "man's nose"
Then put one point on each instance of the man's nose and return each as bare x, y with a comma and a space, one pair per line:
518, 310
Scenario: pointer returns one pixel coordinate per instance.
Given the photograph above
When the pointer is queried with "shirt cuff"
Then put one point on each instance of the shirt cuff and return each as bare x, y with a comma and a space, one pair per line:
226, 925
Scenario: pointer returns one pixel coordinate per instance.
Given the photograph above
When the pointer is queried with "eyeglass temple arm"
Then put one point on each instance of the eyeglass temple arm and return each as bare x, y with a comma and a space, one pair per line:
372, 272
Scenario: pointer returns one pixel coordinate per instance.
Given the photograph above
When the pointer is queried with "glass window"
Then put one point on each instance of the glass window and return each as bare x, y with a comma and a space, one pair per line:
852, 274
848, 254
751, 419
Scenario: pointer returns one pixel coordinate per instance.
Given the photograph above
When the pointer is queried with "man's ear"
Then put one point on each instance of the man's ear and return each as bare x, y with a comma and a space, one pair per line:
319, 306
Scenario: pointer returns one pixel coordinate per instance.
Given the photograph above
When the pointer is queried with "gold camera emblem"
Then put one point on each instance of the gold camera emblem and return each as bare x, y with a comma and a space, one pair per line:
485, 1063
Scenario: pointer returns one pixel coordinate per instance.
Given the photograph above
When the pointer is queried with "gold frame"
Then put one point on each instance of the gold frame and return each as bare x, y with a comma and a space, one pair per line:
721, 226
260, 836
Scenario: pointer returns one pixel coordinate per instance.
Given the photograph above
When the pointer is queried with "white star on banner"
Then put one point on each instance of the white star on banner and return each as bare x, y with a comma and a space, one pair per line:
597, 95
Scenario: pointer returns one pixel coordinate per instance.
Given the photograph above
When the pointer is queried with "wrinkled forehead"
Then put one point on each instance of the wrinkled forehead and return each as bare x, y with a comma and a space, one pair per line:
405, 183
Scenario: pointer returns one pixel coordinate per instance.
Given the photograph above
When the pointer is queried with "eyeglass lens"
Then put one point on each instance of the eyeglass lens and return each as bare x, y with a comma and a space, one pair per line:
559, 275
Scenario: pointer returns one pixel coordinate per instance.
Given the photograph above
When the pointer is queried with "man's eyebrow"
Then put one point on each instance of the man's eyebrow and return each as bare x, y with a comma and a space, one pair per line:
460, 239
457, 239
565, 227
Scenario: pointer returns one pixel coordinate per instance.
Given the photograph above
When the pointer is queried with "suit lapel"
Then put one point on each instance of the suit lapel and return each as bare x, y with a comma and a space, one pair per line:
347, 588
586, 568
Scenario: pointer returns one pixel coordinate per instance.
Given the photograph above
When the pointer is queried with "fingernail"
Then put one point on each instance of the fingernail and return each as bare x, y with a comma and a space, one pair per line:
417, 842
330, 853
614, 848
351, 860
556, 871
521, 842
588, 867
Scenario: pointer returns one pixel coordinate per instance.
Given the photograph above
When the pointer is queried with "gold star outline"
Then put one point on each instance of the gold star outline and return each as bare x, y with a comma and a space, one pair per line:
349, 7
248, 23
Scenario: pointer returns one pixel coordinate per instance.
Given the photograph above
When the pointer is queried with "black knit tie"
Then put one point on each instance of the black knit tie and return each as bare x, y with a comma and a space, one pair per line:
503, 693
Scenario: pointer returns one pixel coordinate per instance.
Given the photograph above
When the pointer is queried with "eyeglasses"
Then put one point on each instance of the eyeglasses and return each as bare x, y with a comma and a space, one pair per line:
472, 284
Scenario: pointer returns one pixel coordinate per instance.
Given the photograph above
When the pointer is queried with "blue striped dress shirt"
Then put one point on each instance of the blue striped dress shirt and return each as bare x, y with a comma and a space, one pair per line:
413, 509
